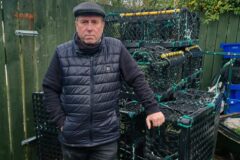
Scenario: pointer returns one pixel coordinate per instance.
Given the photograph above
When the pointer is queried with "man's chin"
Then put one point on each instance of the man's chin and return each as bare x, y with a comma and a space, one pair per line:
90, 42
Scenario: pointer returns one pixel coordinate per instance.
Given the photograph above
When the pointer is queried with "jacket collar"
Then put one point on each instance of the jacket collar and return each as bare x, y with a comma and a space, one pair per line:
83, 49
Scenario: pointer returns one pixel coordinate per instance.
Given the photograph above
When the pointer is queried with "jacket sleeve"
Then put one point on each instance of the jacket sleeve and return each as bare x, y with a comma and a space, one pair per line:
135, 78
52, 90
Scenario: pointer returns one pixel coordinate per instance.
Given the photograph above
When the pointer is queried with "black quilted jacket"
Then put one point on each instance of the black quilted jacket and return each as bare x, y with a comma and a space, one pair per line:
81, 91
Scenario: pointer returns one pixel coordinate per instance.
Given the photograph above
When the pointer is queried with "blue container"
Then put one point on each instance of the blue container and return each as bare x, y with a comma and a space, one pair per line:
235, 91
231, 48
233, 100
233, 106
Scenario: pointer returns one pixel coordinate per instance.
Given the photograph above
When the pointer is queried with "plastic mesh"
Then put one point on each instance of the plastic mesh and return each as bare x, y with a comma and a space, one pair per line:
49, 147
168, 28
189, 132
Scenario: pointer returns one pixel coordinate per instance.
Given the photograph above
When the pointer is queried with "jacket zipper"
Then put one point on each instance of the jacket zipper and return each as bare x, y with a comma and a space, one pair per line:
91, 97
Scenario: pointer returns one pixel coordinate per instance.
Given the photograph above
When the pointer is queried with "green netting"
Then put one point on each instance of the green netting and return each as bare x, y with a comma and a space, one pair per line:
164, 68
189, 132
168, 28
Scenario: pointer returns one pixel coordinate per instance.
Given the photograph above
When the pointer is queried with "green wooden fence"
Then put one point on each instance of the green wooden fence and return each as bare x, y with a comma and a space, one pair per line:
4, 131
226, 30
23, 63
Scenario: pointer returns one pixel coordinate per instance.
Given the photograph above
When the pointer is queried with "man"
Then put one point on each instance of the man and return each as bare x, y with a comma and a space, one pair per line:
82, 85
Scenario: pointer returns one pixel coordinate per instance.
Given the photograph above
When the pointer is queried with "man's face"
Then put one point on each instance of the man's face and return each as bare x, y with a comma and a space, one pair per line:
89, 28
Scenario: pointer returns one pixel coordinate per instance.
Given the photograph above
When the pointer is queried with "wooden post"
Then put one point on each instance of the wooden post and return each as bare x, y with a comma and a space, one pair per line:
4, 123
15, 111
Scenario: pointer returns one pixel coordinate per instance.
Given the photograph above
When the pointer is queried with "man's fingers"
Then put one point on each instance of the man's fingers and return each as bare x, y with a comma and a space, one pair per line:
156, 123
148, 123
155, 120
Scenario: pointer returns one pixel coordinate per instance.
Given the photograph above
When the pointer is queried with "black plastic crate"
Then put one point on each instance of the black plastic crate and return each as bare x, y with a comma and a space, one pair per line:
211, 99
189, 132
49, 147
194, 94
198, 141
132, 121
163, 142
130, 151
132, 129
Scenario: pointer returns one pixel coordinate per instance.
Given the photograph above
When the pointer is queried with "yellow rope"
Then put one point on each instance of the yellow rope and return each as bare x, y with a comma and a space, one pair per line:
171, 54
192, 47
150, 13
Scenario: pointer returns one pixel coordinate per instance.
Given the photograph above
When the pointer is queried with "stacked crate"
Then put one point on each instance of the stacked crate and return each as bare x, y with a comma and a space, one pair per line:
132, 129
189, 132
232, 81
48, 146
166, 28
163, 43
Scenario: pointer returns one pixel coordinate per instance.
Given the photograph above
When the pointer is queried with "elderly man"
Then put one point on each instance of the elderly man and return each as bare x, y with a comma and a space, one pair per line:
82, 86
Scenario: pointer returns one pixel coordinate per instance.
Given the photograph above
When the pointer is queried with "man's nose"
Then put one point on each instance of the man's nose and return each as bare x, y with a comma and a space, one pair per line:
89, 26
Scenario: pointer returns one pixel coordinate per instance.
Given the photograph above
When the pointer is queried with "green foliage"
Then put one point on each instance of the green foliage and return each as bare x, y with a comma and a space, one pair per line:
212, 9
138, 4
158, 4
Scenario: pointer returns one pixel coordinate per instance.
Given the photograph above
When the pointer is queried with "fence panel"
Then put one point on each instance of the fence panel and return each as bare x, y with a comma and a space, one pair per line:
238, 33
221, 37
232, 30
210, 45
4, 130
55, 23
28, 76
226, 30
202, 36
65, 20
13, 69
45, 24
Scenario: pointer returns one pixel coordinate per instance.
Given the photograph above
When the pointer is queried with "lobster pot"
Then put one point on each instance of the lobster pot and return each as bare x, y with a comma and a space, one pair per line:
168, 28
162, 67
193, 61
132, 129
190, 129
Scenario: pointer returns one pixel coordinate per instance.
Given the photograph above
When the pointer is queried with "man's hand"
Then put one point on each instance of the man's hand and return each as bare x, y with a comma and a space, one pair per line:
155, 120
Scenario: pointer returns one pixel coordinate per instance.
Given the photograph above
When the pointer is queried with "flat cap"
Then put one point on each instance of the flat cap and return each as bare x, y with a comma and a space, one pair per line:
88, 8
